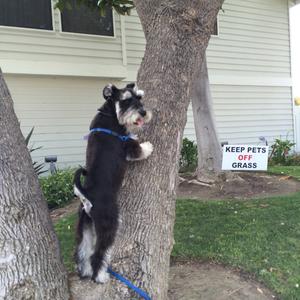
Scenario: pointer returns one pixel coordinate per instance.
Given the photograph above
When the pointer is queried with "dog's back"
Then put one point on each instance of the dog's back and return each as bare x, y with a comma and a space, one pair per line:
105, 160
98, 217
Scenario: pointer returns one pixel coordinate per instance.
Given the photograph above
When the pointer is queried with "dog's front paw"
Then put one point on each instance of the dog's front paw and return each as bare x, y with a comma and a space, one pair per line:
147, 149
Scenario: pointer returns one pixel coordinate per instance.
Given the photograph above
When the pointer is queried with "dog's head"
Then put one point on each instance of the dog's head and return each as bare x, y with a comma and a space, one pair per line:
127, 102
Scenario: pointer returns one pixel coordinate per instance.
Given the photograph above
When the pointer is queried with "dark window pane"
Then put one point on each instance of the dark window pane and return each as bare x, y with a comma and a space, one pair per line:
26, 13
80, 19
215, 29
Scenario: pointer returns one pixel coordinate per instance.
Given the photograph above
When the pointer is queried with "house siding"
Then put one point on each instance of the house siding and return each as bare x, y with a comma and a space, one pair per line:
56, 78
254, 36
245, 113
249, 66
19, 45
60, 110
253, 40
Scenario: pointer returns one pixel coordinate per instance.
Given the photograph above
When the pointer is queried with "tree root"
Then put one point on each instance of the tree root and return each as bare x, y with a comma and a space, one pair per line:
195, 181
85, 289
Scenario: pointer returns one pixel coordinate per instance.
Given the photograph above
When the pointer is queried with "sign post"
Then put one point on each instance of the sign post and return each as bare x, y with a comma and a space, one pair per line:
245, 157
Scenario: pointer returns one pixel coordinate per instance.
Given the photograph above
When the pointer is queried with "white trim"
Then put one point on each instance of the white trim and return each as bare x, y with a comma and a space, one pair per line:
59, 29
123, 40
295, 121
250, 80
237, 80
53, 15
297, 132
62, 69
17, 28
83, 35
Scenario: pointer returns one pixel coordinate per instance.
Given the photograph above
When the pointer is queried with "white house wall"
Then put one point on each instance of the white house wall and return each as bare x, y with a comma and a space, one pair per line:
60, 110
245, 113
32, 51
250, 77
249, 68
253, 40
56, 78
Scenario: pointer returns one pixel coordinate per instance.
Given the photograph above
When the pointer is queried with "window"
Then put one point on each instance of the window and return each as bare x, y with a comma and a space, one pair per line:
26, 13
216, 28
81, 19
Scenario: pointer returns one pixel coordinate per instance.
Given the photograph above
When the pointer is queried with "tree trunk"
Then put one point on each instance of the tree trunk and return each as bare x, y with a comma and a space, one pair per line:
177, 35
208, 144
30, 262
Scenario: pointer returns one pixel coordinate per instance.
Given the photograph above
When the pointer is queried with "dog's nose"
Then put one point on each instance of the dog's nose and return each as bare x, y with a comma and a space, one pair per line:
142, 112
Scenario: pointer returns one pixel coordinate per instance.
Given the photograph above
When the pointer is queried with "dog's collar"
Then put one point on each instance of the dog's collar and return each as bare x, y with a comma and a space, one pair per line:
123, 138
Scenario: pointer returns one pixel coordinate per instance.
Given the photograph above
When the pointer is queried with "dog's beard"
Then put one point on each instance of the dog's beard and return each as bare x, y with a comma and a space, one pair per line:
131, 118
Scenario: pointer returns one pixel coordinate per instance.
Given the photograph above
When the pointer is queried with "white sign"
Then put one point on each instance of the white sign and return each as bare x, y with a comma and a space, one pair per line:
245, 157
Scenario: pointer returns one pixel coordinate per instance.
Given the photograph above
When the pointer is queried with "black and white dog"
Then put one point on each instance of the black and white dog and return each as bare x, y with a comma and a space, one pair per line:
110, 145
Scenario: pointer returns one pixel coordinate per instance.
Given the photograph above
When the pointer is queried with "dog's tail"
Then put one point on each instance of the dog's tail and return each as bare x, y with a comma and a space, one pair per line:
78, 188
79, 191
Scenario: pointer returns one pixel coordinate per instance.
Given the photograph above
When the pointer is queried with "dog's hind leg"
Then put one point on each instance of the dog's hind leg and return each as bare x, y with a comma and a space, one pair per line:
86, 245
102, 256
102, 275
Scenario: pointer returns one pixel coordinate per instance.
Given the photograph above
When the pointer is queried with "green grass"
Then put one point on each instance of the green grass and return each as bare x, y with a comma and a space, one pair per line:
286, 170
65, 230
261, 236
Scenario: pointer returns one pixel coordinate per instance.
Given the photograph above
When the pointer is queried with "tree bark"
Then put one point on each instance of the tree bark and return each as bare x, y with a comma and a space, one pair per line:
208, 144
177, 37
30, 262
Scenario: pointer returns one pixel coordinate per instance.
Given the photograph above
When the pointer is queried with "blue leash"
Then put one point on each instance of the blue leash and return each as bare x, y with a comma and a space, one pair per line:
143, 294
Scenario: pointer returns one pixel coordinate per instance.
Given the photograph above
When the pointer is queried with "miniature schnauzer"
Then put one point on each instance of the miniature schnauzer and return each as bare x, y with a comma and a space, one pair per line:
110, 145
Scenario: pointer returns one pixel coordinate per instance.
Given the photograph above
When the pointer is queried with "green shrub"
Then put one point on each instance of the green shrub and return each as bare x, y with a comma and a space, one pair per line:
280, 152
189, 159
293, 160
58, 188
37, 166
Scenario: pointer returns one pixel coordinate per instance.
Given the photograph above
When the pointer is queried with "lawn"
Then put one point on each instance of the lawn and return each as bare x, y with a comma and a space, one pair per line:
65, 230
261, 237
286, 170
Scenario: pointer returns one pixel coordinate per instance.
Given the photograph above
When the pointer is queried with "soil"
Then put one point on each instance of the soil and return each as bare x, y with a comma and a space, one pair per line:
59, 213
247, 185
204, 281
195, 281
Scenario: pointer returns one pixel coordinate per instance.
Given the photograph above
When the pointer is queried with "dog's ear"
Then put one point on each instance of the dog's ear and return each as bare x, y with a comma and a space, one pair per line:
108, 91
130, 85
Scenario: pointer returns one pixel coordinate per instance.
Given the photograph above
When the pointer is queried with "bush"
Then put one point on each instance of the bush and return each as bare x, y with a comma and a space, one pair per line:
58, 188
189, 159
280, 152
293, 160
37, 166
